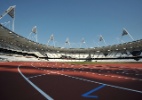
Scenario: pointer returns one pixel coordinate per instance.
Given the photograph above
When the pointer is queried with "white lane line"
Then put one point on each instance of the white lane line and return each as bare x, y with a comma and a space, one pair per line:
83, 79
36, 76
87, 80
37, 88
74, 69
113, 86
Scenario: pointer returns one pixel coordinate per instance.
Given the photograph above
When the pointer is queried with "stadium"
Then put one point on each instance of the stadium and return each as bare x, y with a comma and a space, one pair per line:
16, 44
30, 70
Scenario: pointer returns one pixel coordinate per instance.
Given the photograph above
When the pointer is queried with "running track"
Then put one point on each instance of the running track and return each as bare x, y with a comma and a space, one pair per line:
61, 81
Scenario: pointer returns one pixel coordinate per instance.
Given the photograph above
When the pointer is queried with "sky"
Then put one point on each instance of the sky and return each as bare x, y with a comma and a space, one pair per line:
76, 20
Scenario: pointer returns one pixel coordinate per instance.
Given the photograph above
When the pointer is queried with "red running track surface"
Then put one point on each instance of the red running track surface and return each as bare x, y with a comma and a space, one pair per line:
62, 81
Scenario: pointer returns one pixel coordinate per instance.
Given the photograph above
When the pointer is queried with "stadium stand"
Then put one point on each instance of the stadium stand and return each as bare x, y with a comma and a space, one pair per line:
10, 42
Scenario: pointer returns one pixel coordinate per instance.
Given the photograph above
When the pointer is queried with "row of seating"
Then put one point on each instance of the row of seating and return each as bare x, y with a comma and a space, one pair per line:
11, 41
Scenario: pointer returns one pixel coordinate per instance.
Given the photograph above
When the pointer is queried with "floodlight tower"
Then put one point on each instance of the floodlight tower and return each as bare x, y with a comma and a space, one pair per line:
11, 12
102, 39
51, 39
125, 32
34, 32
67, 42
83, 42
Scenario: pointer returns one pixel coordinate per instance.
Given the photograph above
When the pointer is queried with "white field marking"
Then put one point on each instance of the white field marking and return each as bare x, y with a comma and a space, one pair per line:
122, 73
36, 76
115, 76
74, 69
34, 86
113, 86
57, 72
83, 79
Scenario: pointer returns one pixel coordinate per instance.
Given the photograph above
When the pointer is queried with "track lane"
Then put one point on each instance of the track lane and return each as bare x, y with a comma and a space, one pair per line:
62, 85
52, 73
34, 86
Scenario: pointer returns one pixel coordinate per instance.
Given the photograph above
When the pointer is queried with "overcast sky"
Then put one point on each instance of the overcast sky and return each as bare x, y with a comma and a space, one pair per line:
77, 19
